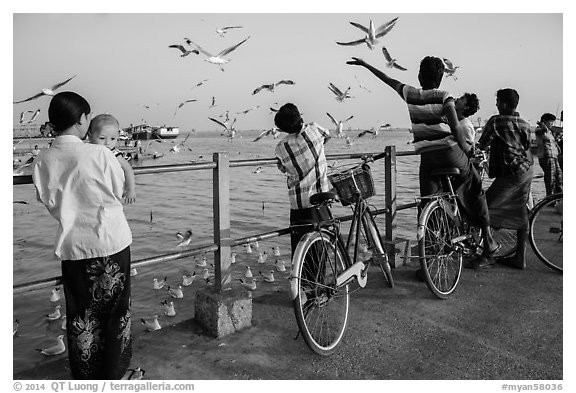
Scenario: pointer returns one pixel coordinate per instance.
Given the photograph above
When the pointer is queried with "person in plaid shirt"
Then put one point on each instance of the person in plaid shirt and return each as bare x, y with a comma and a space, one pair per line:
548, 152
301, 157
508, 138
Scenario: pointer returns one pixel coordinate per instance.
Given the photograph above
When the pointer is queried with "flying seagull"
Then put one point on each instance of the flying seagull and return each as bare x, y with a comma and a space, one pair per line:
450, 69
390, 62
46, 92
271, 87
273, 131
372, 34
245, 111
224, 30
339, 125
339, 95
218, 59
185, 52
34, 115
229, 130
182, 104
199, 83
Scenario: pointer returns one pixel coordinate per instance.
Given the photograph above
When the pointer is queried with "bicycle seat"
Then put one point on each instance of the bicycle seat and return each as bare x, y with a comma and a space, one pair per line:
445, 171
322, 197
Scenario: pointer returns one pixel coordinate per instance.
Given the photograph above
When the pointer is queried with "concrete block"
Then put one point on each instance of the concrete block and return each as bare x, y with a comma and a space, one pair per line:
394, 247
223, 313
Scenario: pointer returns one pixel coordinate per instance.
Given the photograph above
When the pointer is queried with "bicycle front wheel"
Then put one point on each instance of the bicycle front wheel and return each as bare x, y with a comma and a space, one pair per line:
440, 259
546, 235
320, 306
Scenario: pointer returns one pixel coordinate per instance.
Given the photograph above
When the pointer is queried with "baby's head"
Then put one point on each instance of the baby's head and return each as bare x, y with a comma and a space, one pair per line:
104, 130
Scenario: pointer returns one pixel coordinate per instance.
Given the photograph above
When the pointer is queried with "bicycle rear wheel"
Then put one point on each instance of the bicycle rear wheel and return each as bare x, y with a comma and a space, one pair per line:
440, 260
321, 308
546, 235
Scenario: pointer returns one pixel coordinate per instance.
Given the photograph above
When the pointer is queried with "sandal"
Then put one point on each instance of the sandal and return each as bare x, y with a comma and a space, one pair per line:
134, 374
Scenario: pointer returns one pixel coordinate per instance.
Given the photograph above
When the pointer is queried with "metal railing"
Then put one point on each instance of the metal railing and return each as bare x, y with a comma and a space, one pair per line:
221, 247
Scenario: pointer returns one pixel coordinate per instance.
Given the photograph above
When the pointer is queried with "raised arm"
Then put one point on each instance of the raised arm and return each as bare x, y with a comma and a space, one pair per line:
393, 83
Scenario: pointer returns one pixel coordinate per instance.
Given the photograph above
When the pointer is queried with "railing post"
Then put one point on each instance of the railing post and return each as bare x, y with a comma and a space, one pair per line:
390, 203
221, 207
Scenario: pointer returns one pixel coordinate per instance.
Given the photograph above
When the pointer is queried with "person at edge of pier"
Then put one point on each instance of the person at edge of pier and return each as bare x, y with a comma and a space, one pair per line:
507, 136
441, 143
301, 157
104, 130
548, 151
81, 185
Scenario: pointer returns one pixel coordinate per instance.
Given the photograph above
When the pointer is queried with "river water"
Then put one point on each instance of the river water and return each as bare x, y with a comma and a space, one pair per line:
171, 202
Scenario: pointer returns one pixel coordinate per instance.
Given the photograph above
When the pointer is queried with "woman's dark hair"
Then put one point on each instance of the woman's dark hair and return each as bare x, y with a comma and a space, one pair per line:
65, 110
431, 72
288, 119
472, 104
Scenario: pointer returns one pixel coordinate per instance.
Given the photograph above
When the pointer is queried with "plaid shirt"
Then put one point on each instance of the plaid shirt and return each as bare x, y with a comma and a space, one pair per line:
509, 141
302, 158
546, 143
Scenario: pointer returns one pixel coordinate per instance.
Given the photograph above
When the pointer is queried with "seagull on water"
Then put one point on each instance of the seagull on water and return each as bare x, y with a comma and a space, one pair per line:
55, 314
176, 293
218, 59
202, 263
205, 274
56, 294
185, 52
15, 327
151, 324
450, 69
273, 131
262, 257
280, 265
185, 239
224, 30
340, 96
390, 62
46, 92
168, 308
233, 258
248, 273
372, 34
251, 286
339, 125
268, 276
56, 349
276, 250
188, 279
159, 284
133, 272
272, 86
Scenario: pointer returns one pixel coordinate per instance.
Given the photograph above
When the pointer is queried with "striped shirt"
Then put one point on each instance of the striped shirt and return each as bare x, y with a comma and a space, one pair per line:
426, 109
302, 158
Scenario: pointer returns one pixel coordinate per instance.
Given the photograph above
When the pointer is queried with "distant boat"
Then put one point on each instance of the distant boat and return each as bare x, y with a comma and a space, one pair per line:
165, 132
140, 131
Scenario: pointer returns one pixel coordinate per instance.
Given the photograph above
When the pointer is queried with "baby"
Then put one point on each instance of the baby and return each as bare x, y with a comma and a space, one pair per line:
104, 130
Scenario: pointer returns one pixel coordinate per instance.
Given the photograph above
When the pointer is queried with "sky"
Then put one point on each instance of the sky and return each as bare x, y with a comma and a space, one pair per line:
122, 62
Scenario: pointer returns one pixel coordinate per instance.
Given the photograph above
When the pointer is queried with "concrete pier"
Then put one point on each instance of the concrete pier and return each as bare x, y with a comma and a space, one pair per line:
500, 324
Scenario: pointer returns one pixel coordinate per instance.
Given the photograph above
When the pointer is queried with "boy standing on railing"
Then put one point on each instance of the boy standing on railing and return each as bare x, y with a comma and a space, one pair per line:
301, 157
441, 143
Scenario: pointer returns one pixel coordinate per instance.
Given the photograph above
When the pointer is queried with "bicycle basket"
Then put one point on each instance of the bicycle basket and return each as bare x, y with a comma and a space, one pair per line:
353, 183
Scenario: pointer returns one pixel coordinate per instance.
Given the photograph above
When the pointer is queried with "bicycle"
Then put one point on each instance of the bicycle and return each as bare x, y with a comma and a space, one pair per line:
324, 266
546, 231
